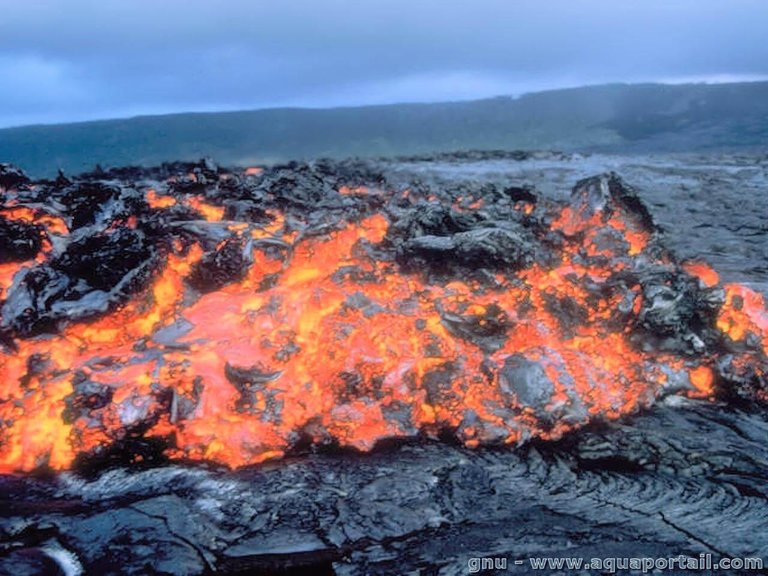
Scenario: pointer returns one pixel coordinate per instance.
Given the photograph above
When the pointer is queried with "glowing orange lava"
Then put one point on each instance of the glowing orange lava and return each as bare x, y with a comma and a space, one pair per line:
323, 341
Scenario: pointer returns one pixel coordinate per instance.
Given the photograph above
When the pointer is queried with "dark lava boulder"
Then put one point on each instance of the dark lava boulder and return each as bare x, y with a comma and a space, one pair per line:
431, 220
479, 248
227, 264
104, 260
677, 314
92, 275
85, 200
19, 241
12, 177
605, 192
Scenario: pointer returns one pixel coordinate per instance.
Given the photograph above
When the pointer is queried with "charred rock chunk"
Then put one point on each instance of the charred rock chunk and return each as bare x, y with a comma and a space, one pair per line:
254, 394
103, 261
131, 450
183, 404
438, 384
626, 196
301, 184
668, 309
603, 193
401, 413
90, 277
253, 376
520, 194
677, 314
228, 263
431, 220
18, 240
191, 178
609, 241
625, 290
85, 200
61, 180
208, 168
568, 311
196, 177
168, 334
350, 386
480, 248
28, 307
87, 397
12, 177
527, 382
245, 211
745, 382
190, 184
487, 330
37, 365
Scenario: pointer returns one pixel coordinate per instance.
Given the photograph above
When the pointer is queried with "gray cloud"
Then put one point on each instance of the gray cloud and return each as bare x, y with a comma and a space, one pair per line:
64, 60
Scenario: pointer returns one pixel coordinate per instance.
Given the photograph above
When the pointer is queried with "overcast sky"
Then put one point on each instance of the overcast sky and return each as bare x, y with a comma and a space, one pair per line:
68, 60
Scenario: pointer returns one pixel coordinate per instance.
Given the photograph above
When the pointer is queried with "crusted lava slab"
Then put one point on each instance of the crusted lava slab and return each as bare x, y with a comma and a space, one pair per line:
197, 313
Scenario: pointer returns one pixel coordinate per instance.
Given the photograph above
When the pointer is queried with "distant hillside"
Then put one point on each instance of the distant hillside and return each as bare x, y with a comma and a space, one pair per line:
611, 118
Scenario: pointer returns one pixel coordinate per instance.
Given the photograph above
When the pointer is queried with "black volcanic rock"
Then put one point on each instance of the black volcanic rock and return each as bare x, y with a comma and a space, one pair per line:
12, 177
19, 240
484, 247
600, 193
92, 275
104, 260
85, 199
227, 264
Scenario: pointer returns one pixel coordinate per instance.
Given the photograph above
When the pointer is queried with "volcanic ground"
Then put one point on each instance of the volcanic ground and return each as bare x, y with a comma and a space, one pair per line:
382, 367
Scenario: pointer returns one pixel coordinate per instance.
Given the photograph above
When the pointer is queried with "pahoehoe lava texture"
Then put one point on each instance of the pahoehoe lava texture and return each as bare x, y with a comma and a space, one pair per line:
685, 479
110, 302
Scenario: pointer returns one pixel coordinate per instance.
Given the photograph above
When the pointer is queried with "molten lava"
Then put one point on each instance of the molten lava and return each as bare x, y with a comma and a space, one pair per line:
243, 329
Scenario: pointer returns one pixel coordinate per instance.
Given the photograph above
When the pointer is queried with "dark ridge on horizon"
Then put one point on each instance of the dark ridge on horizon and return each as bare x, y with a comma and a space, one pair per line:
380, 105
612, 118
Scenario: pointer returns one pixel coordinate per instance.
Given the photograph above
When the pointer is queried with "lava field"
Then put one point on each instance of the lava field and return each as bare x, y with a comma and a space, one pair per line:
200, 315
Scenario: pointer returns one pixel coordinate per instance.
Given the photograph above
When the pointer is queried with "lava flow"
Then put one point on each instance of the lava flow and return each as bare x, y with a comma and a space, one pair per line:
192, 313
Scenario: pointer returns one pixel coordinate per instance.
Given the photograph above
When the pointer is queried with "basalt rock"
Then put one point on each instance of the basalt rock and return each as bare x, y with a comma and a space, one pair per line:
89, 278
12, 177
227, 263
19, 241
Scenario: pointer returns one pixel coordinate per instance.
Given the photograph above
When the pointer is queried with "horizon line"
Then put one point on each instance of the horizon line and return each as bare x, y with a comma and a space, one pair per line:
714, 80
